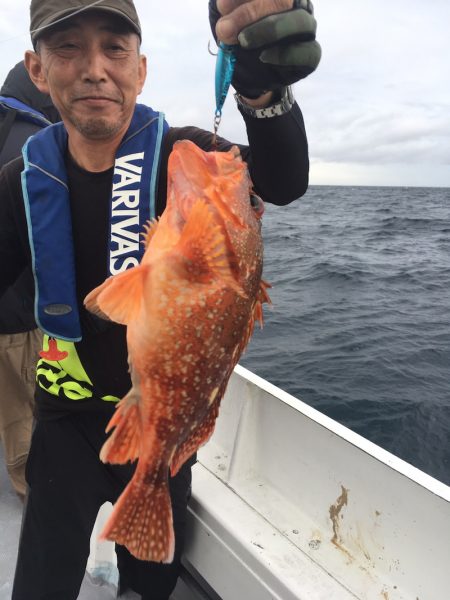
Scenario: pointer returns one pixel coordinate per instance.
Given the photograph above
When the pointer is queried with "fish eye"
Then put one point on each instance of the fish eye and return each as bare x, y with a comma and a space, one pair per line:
257, 204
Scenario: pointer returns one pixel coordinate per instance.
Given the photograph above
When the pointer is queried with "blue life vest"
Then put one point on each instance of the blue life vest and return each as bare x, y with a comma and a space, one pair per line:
47, 206
25, 112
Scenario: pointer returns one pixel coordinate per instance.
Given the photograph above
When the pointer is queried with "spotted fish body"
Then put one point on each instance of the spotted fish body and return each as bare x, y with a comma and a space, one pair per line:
189, 307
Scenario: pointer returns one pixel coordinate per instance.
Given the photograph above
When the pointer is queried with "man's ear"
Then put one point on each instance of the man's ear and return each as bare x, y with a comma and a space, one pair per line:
35, 70
142, 72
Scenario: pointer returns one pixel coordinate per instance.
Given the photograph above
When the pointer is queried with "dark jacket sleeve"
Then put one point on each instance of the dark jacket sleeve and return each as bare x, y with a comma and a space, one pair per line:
14, 248
20, 132
278, 156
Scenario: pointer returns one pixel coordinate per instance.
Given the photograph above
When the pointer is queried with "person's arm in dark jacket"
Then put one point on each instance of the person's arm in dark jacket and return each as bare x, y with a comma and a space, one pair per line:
14, 249
278, 156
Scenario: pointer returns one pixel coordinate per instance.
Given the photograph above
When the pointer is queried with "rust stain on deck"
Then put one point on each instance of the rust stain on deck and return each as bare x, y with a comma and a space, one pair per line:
335, 513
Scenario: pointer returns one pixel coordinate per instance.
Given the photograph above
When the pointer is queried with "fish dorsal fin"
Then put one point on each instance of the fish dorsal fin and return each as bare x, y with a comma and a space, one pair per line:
257, 313
207, 249
120, 296
149, 231
261, 298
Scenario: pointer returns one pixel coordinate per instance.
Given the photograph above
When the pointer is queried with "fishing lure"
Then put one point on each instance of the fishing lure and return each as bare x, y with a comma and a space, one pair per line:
226, 59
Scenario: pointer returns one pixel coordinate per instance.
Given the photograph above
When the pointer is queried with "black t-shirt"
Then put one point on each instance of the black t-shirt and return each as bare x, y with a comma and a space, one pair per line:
102, 350
89, 203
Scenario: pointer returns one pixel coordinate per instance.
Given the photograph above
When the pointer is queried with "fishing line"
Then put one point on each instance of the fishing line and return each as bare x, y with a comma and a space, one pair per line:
80, 10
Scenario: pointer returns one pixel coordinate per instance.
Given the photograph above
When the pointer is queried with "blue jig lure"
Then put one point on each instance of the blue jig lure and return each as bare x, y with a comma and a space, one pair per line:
226, 59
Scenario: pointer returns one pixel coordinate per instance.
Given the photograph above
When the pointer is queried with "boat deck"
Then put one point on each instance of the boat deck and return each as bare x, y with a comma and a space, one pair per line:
10, 519
10, 515
288, 504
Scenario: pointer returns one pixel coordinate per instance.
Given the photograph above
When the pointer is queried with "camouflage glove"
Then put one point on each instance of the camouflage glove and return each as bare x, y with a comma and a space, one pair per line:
274, 52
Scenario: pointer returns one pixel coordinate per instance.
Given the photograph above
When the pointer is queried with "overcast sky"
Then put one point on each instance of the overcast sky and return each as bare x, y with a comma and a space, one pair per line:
377, 110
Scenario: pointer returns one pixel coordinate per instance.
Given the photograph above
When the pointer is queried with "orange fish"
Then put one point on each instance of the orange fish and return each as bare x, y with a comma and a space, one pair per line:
190, 308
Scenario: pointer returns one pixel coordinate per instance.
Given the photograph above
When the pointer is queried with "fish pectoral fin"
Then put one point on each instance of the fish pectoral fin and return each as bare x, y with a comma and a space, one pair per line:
124, 443
120, 296
91, 300
207, 249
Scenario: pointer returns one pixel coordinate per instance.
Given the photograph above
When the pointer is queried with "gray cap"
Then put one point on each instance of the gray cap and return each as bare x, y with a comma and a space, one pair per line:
44, 13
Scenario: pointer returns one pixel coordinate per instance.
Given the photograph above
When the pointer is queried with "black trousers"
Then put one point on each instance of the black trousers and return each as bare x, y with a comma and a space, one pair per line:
67, 485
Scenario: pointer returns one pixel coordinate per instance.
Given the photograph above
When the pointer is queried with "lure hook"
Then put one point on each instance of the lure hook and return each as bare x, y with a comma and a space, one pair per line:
209, 49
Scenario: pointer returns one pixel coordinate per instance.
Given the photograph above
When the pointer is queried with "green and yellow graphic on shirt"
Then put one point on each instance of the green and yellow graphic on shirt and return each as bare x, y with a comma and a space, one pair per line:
66, 377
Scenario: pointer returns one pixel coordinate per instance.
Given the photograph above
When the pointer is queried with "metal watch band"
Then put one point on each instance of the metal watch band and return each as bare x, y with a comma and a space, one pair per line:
280, 107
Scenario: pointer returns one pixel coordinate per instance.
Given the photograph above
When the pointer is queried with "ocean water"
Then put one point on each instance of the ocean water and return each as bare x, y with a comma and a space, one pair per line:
360, 323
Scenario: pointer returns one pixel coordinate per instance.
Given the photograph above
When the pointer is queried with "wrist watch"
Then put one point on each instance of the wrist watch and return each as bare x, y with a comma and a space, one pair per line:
278, 108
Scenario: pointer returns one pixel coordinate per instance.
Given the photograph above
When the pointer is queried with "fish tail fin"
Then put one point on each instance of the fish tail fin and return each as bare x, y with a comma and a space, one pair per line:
124, 443
142, 519
206, 246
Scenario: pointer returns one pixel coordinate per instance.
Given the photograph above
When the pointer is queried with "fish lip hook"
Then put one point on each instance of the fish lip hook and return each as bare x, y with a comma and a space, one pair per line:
209, 49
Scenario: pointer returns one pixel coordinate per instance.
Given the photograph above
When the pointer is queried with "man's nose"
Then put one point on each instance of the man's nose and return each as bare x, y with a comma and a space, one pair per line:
94, 66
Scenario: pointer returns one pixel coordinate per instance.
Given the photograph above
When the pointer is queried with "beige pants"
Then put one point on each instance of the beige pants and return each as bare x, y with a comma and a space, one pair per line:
18, 357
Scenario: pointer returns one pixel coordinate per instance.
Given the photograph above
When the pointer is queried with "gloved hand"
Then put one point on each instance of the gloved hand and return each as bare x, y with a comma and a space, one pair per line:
275, 51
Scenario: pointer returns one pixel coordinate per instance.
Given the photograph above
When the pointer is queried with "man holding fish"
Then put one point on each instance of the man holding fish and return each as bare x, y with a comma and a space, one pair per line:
158, 327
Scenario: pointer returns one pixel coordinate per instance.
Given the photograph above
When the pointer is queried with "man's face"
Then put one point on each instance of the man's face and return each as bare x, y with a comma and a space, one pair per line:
92, 69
